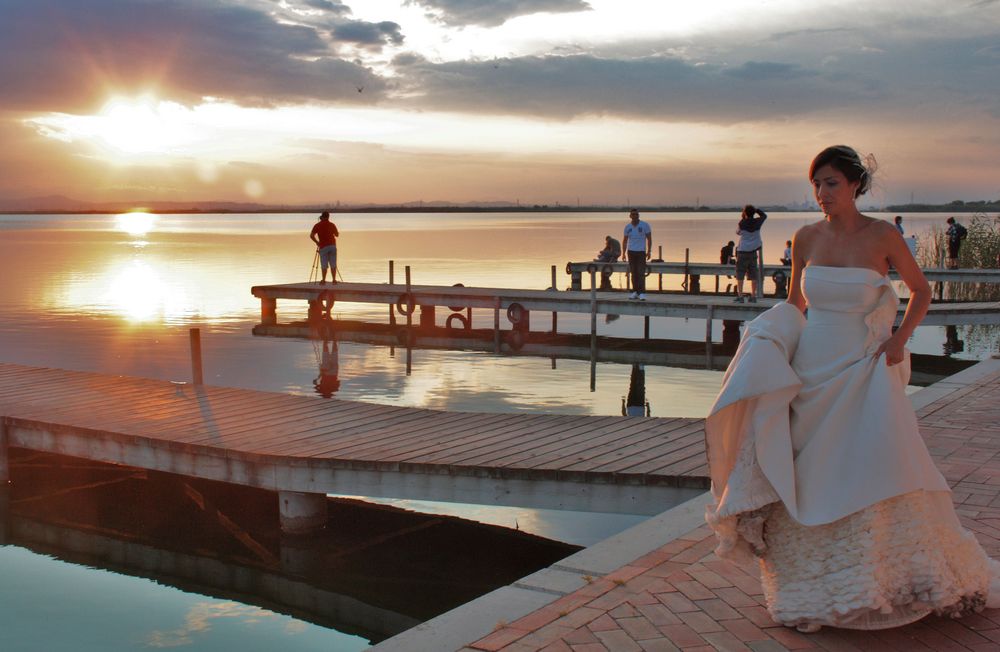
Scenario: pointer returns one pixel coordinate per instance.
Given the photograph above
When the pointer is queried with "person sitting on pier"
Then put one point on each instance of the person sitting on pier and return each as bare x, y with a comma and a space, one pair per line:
786, 258
611, 253
747, 249
727, 255
324, 233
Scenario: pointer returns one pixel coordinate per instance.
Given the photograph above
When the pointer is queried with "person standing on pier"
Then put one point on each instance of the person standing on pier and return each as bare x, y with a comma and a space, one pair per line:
956, 234
639, 240
898, 221
324, 233
746, 251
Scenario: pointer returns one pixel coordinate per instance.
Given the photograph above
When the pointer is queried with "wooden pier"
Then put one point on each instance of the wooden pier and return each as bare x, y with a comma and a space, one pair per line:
577, 270
518, 304
305, 447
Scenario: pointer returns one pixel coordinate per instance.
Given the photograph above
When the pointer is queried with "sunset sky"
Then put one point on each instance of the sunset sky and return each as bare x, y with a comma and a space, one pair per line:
542, 101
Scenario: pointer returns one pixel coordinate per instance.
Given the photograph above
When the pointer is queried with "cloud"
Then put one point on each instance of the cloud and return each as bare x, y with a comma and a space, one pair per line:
79, 54
367, 34
328, 5
491, 13
655, 87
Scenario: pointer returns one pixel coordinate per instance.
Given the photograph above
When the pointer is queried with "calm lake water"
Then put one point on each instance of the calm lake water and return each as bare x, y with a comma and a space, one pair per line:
117, 294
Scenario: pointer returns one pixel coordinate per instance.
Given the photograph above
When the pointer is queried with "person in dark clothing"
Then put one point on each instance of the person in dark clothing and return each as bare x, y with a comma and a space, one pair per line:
611, 253
727, 255
956, 234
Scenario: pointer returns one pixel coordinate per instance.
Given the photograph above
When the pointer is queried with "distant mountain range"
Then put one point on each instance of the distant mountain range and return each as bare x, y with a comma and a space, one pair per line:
63, 204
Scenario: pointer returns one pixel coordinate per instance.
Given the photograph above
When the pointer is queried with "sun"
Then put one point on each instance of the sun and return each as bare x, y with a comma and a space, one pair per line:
142, 125
135, 223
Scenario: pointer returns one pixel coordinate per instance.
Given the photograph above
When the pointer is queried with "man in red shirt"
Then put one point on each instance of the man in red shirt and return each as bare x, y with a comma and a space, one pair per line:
324, 234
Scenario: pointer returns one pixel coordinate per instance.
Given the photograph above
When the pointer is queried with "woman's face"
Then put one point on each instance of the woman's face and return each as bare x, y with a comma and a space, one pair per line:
834, 193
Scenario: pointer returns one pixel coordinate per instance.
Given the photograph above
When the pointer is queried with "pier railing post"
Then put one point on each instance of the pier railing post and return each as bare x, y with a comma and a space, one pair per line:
496, 325
760, 271
659, 257
593, 305
196, 374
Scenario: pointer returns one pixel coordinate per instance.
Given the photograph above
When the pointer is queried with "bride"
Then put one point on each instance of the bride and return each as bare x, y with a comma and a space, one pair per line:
818, 468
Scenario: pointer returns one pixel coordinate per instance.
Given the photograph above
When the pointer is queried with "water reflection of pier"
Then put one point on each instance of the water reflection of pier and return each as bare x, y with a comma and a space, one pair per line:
686, 354
374, 571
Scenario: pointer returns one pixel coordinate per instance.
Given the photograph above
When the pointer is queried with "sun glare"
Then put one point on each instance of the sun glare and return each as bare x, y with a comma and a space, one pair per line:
136, 223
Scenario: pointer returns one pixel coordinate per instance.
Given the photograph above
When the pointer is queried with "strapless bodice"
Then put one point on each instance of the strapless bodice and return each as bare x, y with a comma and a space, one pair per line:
851, 312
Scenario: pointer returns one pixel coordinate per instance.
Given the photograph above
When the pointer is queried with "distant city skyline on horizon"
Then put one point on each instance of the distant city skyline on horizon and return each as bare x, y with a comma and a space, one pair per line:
545, 101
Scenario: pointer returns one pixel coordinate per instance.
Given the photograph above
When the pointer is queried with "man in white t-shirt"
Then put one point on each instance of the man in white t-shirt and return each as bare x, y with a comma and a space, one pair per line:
639, 248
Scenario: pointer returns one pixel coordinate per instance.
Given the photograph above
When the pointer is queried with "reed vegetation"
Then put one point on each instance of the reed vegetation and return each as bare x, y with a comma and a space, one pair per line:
979, 250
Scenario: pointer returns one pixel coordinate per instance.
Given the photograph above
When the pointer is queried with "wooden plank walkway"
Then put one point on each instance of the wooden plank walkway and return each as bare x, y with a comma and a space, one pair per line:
300, 443
681, 596
613, 303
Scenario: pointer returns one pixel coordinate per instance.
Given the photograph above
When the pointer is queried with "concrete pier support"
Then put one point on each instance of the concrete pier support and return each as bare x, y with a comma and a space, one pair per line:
4, 455
301, 513
268, 311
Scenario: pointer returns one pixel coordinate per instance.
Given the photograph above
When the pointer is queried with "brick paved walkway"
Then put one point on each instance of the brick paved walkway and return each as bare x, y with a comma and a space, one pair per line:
683, 597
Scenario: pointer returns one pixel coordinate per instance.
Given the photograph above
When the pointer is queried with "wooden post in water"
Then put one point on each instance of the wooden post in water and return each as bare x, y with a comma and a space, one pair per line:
593, 306
392, 281
496, 325
409, 324
555, 315
196, 374
708, 336
593, 332
409, 315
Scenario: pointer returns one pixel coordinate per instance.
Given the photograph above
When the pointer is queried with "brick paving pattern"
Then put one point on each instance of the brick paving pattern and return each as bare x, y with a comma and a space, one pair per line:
682, 597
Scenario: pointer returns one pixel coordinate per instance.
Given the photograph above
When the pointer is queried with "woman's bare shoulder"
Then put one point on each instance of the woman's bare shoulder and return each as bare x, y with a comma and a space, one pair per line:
809, 230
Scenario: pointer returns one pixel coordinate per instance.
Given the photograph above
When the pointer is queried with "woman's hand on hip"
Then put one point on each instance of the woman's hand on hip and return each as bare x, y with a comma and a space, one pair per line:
894, 350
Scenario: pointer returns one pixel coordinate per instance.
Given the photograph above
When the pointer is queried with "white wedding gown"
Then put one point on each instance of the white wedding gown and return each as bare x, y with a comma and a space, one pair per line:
819, 470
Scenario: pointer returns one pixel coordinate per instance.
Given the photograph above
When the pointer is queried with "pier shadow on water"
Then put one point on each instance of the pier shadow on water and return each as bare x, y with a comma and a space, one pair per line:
373, 571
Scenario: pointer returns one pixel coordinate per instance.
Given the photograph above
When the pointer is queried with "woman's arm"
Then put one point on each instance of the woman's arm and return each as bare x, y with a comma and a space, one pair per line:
898, 255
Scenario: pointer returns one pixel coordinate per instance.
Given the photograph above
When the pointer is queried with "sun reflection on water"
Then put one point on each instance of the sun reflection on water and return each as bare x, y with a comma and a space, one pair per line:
137, 292
135, 223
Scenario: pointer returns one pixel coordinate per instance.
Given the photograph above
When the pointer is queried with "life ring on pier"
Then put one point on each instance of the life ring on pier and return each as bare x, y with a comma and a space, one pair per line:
569, 268
460, 308
516, 313
460, 318
405, 304
515, 340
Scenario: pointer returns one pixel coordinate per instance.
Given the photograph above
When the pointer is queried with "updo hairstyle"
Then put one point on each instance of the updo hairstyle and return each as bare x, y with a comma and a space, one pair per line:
846, 160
